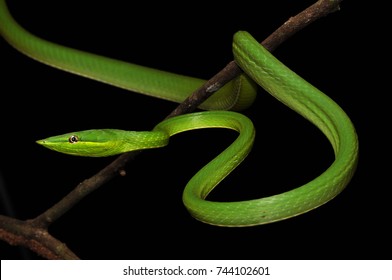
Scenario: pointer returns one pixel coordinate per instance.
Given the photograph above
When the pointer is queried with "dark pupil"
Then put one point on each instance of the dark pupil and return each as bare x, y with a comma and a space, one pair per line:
73, 139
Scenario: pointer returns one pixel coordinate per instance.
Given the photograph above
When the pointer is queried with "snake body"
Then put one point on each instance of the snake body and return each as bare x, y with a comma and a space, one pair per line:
260, 66
236, 95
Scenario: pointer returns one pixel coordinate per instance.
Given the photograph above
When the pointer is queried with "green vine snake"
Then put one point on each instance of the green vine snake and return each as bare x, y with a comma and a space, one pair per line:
259, 66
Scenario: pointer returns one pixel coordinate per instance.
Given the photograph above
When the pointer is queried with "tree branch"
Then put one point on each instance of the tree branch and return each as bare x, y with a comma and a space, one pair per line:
23, 233
316, 11
33, 233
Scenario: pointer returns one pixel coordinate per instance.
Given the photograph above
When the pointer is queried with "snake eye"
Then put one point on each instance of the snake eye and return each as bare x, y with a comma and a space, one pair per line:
73, 139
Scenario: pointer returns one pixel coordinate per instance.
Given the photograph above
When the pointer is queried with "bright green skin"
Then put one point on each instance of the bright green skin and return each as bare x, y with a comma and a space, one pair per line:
281, 83
236, 95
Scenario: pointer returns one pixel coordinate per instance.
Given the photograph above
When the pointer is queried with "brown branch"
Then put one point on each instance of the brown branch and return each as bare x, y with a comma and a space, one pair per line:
33, 233
23, 233
82, 190
316, 11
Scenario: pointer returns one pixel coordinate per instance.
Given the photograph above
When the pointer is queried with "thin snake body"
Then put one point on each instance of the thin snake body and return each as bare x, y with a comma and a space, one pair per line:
237, 95
261, 67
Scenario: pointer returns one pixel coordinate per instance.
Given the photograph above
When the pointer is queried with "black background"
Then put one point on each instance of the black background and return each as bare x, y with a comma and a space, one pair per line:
141, 216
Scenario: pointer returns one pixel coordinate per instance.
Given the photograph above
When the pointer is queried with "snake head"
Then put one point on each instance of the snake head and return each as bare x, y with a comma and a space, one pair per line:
104, 142
88, 143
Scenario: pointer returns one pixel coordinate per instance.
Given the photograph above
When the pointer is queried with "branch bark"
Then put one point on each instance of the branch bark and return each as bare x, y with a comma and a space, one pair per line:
33, 233
37, 239
316, 11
